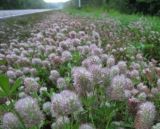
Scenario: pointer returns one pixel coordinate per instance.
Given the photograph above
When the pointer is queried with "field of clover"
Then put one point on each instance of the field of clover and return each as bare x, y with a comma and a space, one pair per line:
77, 73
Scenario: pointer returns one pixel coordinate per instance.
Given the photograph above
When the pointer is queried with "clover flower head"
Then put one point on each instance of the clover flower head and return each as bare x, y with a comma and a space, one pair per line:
134, 74
11, 58
92, 26
143, 88
29, 111
133, 104
33, 71
61, 83
51, 56
139, 57
41, 48
57, 28
11, 74
81, 33
76, 42
3, 68
110, 61
46, 63
64, 45
142, 96
54, 75
2, 56
86, 126
95, 35
83, 80
91, 60
42, 90
66, 55
60, 122
135, 65
108, 47
23, 61
114, 71
154, 91
145, 116
96, 71
26, 70
47, 107
56, 60
122, 66
134, 91
129, 84
72, 34
19, 73
117, 88
65, 102
36, 61
10, 121
158, 82
104, 58
127, 94
105, 75
60, 36
94, 50
84, 50
31, 85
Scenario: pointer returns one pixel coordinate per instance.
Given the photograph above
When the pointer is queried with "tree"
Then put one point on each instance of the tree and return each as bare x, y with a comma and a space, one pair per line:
21, 4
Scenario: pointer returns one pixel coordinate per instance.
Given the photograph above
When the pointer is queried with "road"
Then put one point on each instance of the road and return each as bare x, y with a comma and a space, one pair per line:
12, 13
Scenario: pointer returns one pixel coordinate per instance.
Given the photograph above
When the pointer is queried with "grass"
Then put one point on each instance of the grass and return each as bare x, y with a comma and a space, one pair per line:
103, 13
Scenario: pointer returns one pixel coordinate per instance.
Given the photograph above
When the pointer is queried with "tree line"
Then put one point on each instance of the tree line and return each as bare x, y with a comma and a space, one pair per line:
21, 4
129, 6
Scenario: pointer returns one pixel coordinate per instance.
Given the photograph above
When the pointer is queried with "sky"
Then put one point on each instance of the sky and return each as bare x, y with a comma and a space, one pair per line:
55, 1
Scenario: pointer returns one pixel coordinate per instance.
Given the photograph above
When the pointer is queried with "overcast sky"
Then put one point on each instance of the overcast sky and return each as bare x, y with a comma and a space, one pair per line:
55, 1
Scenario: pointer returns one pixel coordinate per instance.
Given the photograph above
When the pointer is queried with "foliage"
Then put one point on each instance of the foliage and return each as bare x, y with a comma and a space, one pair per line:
21, 4
5, 89
127, 6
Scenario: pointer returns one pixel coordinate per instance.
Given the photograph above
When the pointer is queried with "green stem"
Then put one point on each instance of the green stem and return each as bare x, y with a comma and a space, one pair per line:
90, 115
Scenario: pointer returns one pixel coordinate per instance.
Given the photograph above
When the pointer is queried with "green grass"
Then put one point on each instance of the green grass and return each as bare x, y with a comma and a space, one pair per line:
102, 13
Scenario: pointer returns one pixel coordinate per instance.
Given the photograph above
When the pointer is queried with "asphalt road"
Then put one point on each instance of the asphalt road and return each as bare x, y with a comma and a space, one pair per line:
12, 13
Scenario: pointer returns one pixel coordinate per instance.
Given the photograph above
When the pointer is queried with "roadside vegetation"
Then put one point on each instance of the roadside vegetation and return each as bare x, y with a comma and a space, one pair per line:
126, 6
20, 27
88, 68
145, 29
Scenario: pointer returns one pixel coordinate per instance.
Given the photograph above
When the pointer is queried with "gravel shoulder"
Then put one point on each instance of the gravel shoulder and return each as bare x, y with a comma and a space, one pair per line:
12, 13
20, 27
